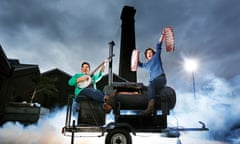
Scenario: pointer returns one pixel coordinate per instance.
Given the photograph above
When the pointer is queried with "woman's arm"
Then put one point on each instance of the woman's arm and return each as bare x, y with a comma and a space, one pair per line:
159, 44
161, 38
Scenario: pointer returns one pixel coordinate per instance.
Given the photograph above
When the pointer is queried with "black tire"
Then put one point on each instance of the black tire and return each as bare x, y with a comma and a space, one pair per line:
118, 136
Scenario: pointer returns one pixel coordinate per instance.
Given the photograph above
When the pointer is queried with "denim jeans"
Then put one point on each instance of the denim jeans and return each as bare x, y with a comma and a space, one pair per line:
93, 94
155, 85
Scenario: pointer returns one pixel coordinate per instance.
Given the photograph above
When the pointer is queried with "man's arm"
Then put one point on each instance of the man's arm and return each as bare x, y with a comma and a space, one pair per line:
82, 78
76, 79
97, 76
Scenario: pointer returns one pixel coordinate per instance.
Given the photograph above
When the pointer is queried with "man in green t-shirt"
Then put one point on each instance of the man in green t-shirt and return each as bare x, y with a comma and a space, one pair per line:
85, 84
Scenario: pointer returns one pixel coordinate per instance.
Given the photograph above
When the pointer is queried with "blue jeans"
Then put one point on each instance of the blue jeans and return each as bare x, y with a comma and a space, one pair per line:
93, 94
155, 85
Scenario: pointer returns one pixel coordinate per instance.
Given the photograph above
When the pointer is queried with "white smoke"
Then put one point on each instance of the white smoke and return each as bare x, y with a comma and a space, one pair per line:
216, 104
46, 131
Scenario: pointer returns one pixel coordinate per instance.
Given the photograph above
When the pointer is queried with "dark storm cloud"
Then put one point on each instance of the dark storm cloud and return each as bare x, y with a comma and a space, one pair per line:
207, 30
63, 33
57, 29
54, 20
17, 15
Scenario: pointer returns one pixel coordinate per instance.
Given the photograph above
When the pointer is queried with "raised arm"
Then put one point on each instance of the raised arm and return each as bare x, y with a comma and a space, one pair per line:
159, 44
161, 38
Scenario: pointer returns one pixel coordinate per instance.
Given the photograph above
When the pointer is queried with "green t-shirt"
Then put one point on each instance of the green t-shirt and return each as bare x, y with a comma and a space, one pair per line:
73, 81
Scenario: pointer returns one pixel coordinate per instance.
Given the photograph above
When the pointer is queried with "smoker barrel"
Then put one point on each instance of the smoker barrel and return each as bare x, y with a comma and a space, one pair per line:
134, 97
140, 101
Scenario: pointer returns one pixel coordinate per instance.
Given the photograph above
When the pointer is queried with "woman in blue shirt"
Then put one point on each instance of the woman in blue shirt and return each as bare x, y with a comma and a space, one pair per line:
157, 79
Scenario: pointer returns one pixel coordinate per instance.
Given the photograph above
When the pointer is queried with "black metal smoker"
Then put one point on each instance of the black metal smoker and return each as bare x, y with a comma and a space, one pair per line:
127, 102
129, 99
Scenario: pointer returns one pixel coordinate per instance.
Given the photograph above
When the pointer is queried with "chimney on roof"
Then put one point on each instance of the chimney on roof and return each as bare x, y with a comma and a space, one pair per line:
127, 44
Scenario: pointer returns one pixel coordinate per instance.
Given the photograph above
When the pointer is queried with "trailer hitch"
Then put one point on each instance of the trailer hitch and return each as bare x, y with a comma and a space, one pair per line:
203, 128
175, 132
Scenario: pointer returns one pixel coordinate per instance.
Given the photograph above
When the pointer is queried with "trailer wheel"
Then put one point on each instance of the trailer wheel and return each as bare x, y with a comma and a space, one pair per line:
118, 136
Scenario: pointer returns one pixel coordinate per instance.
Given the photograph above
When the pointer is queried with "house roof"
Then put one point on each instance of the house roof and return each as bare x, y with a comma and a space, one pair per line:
18, 66
55, 70
5, 67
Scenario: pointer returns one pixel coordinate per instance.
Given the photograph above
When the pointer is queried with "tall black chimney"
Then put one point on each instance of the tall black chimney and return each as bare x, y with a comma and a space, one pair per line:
127, 44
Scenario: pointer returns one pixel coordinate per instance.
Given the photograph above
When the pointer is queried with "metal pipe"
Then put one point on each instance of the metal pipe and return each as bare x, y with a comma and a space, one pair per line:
194, 90
73, 130
110, 73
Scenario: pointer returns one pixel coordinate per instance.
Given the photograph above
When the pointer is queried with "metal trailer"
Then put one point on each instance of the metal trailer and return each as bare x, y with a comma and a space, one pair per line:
127, 103
126, 108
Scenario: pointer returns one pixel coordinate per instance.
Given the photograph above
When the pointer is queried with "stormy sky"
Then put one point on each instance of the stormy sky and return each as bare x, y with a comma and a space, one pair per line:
63, 33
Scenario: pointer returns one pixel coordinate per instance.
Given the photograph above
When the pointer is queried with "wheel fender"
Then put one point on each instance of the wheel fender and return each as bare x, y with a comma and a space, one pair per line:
126, 126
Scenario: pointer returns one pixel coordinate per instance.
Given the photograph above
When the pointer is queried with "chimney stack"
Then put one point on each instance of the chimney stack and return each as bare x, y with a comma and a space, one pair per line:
127, 44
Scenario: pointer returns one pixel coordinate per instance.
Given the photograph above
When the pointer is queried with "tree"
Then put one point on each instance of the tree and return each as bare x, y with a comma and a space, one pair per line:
44, 85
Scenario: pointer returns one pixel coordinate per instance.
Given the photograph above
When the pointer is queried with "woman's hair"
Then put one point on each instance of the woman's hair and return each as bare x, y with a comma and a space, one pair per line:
86, 64
145, 52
